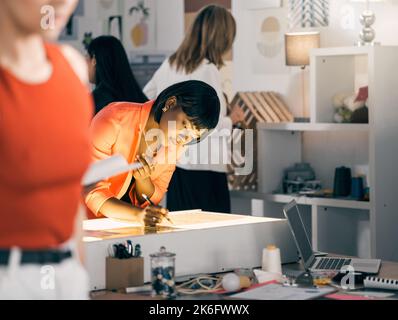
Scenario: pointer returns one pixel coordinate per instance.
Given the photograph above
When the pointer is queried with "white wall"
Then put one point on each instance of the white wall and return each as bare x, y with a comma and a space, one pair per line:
94, 20
169, 23
273, 74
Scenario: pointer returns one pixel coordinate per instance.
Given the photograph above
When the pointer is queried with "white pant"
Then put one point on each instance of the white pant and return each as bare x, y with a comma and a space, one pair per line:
67, 280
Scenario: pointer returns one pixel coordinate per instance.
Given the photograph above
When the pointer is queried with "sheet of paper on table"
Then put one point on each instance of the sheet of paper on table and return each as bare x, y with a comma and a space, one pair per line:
276, 291
188, 220
197, 219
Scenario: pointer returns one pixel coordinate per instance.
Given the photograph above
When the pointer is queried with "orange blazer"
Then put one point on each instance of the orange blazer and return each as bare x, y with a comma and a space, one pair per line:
116, 130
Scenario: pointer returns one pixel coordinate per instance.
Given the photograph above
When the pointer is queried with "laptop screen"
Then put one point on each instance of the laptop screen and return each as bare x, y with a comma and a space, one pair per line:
298, 230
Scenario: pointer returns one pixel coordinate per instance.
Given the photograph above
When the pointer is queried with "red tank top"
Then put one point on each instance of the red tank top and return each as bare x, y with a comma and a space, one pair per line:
44, 151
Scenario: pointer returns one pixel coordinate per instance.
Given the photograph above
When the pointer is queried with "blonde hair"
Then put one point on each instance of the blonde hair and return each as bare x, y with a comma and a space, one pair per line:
210, 37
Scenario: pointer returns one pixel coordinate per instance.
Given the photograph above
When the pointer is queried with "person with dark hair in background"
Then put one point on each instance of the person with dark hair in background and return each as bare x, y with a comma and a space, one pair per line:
200, 57
110, 71
153, 133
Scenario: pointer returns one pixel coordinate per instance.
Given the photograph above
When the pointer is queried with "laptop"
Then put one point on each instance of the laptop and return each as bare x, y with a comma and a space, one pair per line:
322, 264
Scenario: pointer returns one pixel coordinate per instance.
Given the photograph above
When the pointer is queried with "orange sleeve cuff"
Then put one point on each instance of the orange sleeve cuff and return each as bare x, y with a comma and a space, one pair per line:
96, 199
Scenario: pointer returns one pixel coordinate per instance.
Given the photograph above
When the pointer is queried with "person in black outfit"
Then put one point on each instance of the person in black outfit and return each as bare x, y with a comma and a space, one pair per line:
110, 71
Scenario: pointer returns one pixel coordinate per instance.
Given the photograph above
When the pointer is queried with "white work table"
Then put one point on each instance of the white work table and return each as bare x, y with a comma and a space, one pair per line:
203, 242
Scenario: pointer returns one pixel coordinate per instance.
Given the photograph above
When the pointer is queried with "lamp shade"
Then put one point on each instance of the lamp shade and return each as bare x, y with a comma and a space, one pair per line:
298, 46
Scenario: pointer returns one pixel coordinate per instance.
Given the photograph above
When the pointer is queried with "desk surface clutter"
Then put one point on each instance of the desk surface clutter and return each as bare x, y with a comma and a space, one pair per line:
274, 291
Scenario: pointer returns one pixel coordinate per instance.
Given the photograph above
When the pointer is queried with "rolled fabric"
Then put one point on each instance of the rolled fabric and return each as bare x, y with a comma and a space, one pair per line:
272, 260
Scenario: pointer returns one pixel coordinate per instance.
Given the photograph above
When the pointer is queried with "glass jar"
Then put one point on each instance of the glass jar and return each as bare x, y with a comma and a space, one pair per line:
163, 273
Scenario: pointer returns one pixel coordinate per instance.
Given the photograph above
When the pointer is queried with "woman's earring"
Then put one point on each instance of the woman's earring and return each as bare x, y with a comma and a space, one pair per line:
165, 109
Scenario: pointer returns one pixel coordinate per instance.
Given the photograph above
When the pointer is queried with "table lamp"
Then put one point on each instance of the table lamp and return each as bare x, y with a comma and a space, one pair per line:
298, 46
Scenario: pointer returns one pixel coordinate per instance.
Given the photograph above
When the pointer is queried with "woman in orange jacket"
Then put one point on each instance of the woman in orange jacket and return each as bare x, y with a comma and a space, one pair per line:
156, 130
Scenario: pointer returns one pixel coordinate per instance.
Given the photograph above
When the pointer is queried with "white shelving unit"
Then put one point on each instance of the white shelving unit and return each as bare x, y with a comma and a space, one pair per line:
302, 200
366, 229
313, 127
324, 202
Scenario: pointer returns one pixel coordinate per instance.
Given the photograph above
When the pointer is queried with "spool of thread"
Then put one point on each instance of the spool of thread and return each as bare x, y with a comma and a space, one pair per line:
342, 182
232, 282
272, 260
357, 190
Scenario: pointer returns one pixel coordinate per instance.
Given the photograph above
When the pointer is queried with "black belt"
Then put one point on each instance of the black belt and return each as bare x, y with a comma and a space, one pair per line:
37, 257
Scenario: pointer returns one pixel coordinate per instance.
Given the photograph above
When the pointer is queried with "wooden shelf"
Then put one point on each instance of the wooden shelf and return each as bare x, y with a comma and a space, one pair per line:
247, 194
326, 202
298, 126
341, 51
283, 198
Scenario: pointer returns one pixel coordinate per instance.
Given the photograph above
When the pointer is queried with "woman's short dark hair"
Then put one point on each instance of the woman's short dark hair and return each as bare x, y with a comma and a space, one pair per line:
198, 101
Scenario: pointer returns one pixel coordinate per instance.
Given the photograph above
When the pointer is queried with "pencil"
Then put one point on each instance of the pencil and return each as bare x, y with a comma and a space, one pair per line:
151, 203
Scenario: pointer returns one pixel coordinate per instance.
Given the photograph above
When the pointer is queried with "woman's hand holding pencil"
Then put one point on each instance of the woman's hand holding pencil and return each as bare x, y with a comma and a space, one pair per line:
155, 214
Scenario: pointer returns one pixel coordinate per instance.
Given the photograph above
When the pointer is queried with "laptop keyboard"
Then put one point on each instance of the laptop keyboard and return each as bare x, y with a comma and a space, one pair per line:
331, 263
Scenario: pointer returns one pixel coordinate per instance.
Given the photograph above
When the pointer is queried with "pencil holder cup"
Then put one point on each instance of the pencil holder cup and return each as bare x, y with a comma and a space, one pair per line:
163, 273
124, 273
